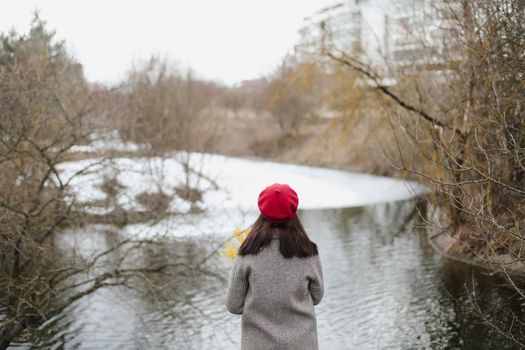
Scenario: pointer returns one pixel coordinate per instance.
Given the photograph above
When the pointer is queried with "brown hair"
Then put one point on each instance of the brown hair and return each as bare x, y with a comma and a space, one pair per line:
293, 238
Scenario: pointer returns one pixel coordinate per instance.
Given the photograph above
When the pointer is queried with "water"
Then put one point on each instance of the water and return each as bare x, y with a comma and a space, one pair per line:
385, 289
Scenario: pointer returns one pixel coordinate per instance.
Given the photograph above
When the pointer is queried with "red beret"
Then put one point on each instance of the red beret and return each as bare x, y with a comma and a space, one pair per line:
278, 203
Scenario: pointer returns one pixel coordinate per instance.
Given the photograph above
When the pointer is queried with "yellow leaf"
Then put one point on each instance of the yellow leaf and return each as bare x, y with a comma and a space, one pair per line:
237, 232
242, 236
230, 252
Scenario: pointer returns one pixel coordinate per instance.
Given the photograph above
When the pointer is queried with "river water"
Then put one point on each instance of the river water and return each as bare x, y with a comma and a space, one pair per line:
385, 289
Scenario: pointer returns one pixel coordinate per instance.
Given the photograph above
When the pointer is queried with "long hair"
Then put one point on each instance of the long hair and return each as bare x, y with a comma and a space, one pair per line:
293, 238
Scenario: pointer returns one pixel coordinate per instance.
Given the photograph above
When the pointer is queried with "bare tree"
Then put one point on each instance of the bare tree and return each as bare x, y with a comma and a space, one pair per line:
465, 118
291, 96
46, 109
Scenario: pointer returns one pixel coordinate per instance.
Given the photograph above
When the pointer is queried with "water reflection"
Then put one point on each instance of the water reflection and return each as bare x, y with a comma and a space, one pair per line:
385, 289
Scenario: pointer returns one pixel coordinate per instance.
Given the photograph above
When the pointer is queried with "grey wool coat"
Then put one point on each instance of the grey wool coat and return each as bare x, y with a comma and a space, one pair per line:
276, 297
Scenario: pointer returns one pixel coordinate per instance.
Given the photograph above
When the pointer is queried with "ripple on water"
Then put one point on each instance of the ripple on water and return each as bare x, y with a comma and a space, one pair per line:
385, 289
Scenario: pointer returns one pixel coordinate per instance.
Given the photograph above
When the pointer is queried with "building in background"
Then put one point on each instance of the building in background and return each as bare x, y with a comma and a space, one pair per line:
381, 33
418, 32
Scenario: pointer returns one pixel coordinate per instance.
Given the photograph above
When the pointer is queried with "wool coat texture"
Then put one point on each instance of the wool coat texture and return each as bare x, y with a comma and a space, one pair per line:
276, 298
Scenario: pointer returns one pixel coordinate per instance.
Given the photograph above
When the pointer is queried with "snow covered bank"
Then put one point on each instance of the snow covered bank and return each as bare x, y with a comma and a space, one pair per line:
234, 201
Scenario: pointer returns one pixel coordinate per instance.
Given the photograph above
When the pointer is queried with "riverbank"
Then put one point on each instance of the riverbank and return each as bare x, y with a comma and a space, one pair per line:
315, 149
461, 244
132, 190
322, 142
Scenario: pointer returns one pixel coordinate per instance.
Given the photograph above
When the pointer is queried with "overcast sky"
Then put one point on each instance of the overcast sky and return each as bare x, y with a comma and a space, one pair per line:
224, 40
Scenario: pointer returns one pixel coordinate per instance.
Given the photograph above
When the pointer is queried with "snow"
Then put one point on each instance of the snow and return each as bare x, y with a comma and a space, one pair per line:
234, 202
104, 142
